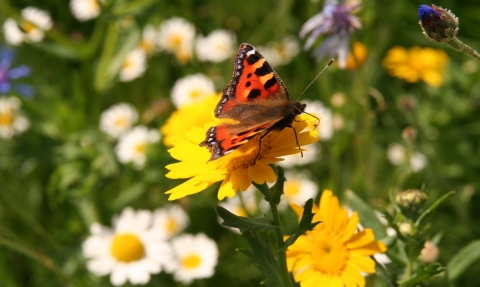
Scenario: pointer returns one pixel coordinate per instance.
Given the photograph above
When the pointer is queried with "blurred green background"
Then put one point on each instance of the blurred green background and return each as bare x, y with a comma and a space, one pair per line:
52, 188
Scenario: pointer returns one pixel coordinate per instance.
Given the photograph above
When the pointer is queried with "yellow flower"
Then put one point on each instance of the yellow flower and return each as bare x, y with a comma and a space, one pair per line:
187, 116
333, 254
237, 169
360, 53
426, 64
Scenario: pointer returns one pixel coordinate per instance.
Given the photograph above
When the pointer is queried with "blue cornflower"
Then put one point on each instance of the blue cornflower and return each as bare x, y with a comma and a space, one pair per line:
8, 74
438, 24
337, 23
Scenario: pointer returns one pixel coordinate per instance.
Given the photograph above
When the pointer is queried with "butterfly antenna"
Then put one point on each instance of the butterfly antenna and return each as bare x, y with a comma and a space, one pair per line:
328, 65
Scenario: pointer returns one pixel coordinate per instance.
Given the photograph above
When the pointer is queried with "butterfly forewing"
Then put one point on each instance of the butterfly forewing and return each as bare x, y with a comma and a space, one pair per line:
256, 98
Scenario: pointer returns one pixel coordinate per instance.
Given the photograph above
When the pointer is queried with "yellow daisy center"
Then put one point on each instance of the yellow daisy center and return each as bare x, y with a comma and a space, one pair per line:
141, 148
195, 93
6, 119
329, 254
175, 41
127, 248
171, 225
27, 27
291, 188
244, 156
146, 46
126, 64
191, 261
120, 122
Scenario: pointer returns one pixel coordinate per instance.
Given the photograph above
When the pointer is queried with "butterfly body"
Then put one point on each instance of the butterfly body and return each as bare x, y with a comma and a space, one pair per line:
256, 99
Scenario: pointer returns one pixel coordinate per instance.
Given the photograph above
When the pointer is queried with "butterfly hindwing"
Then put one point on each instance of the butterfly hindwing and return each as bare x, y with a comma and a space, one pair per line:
253, 80
223, 139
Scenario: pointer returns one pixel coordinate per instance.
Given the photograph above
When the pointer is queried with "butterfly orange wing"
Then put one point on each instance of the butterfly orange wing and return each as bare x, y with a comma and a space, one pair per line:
253, 84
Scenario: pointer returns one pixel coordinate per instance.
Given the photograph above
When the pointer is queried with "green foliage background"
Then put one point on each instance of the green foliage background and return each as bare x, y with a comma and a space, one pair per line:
52, 187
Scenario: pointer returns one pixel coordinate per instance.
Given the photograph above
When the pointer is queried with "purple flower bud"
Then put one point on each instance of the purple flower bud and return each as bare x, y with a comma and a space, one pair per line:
438, 24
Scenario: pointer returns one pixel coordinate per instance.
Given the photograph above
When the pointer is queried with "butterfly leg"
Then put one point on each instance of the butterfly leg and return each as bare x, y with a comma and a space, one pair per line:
296, 138
260, 145
316, 125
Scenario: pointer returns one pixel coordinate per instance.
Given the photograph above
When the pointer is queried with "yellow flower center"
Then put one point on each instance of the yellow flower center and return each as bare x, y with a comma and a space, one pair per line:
329, 253
191, 261
195, 93
27, 27
175, 42
6, 119
127, 248
292, 188
171, 225
244, 156
146, 46
126, 64
141, 148
120, 122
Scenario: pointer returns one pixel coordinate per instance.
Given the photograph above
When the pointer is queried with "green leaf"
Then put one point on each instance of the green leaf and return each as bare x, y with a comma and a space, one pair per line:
59, 50
265, 261
432, 208
263, 188
115, 50
305, 224
423, 274
243, 223
278, 187
463, 260
128, 195
132, 8
366, 214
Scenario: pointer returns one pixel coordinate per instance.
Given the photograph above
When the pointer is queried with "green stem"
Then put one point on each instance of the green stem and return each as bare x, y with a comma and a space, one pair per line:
282, 255
462, 47
45, 261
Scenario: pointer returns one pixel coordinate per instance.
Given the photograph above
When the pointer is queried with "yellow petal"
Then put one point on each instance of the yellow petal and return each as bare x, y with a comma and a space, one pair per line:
226, 189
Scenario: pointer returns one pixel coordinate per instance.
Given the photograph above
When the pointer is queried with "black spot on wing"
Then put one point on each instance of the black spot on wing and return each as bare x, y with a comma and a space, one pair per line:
254, 93
263, 70
249, 75
248, 84
270, 83
252, 59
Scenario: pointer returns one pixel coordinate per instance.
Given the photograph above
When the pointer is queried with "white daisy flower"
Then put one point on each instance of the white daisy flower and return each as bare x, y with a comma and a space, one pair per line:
134, 65
270, 54
132, 146
281, 53
310, 154
171, 219
118, 119
34, 22
84, 10
191, 88
325, 127
298, 189
216, 47
397, 155
176, 35
131, 251
195, 256
418, 161
11, 122
148, 39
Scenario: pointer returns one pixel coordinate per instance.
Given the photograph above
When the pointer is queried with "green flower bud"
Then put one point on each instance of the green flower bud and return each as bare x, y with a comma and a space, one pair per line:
411, 200
438, 24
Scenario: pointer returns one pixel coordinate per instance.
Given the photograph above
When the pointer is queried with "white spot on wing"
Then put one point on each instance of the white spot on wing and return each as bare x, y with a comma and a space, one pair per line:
251, 52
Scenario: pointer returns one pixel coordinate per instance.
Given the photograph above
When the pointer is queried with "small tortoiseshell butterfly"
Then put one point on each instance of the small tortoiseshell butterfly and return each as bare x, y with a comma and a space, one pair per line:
256, 98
